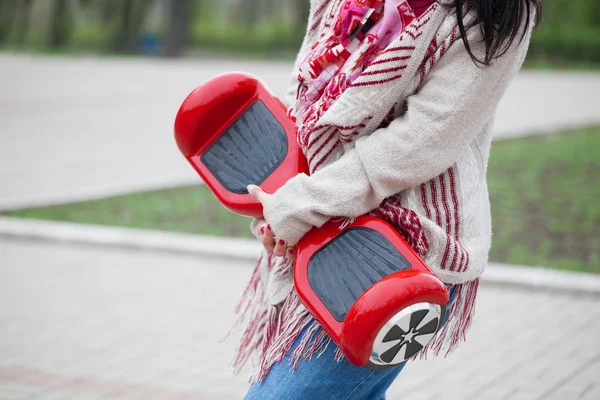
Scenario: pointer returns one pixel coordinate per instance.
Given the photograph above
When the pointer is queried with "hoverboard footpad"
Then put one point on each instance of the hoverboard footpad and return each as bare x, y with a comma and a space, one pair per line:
346, 267
248, 151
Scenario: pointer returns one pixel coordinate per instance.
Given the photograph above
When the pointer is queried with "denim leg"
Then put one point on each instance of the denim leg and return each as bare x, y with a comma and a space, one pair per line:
323, 378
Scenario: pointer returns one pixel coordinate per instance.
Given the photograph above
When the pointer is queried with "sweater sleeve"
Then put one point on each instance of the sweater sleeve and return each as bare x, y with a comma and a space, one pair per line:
451, 107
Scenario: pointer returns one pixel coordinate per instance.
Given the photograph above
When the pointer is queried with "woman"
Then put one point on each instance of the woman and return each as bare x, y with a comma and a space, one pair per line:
394, 102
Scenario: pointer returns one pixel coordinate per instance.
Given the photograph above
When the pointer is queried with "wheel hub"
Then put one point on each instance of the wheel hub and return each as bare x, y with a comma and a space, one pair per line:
406, 333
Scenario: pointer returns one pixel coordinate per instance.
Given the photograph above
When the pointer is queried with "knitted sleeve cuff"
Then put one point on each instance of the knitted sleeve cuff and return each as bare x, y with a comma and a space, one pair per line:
291, 215
340, 189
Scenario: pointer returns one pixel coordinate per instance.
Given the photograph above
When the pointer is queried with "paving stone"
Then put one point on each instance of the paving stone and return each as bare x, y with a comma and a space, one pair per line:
91, 322
591, 392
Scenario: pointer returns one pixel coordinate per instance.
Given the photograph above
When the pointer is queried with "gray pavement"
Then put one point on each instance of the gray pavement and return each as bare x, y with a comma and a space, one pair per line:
80, 322
79, 128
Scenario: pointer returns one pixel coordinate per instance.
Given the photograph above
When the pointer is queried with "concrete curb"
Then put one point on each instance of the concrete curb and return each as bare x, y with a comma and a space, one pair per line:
542, 278
247, 249
101, 235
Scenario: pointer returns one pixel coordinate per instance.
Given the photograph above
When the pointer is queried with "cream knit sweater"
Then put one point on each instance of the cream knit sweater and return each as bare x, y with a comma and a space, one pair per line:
433, 155
408, 142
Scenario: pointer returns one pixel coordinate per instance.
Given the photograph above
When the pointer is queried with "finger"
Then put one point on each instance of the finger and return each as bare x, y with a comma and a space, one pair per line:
268, 239
291, 253
261, 229
257, 193
280, 248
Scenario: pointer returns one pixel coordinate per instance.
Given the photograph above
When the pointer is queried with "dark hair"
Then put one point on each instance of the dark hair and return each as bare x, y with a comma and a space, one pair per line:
500, 23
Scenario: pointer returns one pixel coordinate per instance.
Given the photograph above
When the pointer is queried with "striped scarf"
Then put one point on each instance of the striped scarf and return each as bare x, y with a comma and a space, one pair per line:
358, 39
362, 30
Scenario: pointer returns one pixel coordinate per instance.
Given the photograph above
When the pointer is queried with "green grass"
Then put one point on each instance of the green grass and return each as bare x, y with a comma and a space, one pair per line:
545, 208
547, 64
544, 193
190, 209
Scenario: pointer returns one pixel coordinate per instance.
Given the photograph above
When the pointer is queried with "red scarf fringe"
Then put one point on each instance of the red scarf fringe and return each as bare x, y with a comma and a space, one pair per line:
271, 331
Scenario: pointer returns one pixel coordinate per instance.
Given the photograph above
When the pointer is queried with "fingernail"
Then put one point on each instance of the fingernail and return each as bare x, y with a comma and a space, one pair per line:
262, 230
281, 242
269, 227
290, 251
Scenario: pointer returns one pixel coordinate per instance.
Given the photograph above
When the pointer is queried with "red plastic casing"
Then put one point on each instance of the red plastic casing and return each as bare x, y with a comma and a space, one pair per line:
355, 335
204, 115
209, 110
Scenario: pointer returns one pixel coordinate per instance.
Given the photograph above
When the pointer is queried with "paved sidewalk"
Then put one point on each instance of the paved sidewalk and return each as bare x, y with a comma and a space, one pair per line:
80, 322
79, 128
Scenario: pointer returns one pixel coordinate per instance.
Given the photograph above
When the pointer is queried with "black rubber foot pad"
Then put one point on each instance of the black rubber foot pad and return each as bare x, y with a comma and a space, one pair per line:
347, 266
248, 151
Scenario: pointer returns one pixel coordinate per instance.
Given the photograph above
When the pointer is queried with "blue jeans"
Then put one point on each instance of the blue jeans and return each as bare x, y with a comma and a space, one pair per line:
323, 378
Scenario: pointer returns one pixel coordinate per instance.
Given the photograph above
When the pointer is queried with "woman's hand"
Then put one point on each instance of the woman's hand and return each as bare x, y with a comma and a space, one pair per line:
277, 247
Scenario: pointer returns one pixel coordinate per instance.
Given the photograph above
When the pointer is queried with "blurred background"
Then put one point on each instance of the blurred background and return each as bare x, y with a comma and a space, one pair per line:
155, 27
119, 269
569, 35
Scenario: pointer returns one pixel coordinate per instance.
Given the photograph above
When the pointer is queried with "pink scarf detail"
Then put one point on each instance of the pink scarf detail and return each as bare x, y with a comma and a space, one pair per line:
333, 63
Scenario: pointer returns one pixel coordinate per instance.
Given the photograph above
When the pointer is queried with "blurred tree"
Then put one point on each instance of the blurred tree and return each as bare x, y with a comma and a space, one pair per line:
61, 24
131, 15
178, 26
301, 14
248, 12
122, 39
22, 22
8, 9
270, 8
107, 11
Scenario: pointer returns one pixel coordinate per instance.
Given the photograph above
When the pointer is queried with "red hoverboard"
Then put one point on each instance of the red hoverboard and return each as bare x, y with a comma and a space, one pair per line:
369, 290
